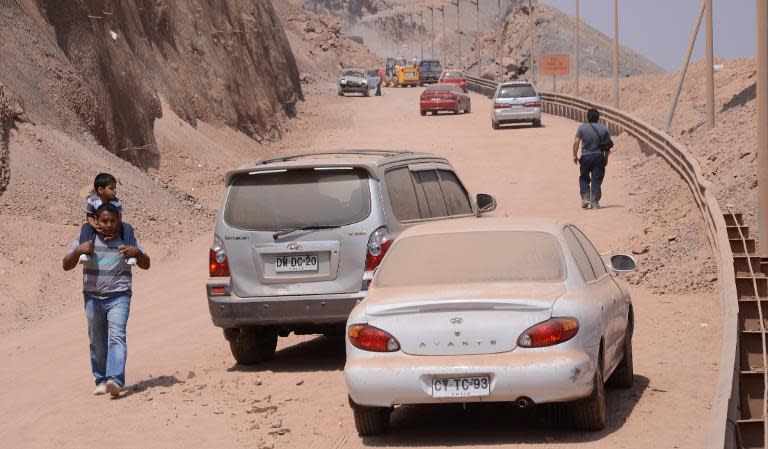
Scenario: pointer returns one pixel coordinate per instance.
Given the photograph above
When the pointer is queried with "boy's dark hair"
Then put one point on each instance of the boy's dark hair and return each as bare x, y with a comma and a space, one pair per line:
107, 207
593, 115
102, 180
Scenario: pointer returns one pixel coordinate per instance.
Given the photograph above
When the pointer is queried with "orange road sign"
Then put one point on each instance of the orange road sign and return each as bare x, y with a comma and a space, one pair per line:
555, 65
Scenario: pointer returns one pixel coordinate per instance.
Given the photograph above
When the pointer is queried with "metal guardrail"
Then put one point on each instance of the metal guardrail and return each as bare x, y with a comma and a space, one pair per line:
724, 411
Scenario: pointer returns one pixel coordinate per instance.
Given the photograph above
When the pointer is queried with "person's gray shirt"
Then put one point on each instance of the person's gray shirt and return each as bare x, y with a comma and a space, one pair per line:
591, 134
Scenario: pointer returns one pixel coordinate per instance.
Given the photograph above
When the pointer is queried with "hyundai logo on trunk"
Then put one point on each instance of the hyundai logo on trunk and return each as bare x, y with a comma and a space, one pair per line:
456, 320
293, 246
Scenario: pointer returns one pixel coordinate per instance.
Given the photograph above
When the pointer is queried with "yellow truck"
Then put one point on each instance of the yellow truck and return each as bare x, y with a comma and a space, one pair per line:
408, 76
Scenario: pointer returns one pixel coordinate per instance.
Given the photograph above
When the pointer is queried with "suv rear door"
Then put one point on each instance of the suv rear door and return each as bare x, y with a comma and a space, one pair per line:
259, 204
426, 191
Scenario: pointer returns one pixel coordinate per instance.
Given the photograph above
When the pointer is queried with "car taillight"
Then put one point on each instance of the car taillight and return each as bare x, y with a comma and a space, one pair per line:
218, 265
501, 106
535, 104
369, 338
378, 244
548, 333
463, 86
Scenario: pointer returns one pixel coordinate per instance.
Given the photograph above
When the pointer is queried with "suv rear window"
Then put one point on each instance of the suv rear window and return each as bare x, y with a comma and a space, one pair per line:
431, 66
473, 257
298, 198
519, 91
423, 194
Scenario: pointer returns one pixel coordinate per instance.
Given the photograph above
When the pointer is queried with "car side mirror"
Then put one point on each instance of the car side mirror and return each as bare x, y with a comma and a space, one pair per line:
485, 203
623, 263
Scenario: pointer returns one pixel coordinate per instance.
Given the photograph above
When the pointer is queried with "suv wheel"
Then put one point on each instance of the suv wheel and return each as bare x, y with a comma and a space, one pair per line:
494, 125
537, 123
253, 345
370, 420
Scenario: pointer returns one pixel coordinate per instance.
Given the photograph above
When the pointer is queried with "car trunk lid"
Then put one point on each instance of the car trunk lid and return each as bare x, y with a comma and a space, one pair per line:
461, 319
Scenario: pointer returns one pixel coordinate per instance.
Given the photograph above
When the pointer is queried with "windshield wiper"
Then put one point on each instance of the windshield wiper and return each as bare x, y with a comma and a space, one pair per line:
283, 232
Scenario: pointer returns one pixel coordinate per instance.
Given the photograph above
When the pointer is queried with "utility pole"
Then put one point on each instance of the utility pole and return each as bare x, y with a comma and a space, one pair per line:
578, 32
533, 22
684, 69
445, 56
477, 37
616, 54
421, 33
501, 45
710, 69
432, 45
458, 30
762, 120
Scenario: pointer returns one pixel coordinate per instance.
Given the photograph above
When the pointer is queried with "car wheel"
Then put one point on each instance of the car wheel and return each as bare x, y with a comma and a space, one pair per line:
589, 414
423, 112
366, 93
494, 125
253, 345
341, 94
537, 123
469, 108
456, 111
624, 375
370, 420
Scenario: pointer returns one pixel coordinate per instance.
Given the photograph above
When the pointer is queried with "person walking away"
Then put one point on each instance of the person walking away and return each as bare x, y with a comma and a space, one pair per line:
107, 296
380, 74
596, 144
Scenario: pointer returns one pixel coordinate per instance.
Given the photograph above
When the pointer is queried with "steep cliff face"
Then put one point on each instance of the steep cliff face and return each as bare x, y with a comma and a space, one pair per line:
104, 64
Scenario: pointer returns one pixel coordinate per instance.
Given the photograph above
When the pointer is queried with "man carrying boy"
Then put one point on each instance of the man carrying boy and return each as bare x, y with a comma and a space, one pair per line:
107, 291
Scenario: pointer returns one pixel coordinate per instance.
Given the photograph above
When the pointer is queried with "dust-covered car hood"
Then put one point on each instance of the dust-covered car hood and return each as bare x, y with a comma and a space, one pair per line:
501, 296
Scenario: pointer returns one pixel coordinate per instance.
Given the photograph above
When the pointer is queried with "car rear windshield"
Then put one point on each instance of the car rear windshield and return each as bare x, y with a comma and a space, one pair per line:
518, 91
357, 73
453, 75
433, 87
298, 198
473, 257
433, 66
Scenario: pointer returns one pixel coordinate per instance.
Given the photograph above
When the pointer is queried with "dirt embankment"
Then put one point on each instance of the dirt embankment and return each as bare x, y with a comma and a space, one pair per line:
104, 66
320, 48
7, 115
555, 32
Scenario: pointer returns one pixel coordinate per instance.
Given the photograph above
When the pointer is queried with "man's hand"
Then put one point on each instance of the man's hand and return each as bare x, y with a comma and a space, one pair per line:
130, 251
84, 248
576, 160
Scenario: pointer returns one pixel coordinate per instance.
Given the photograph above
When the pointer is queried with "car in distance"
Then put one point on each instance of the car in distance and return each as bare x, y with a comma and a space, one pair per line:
353, 80
407, 76
515, 102
454, 77
429, 71
444, 97
297, 238
495, 310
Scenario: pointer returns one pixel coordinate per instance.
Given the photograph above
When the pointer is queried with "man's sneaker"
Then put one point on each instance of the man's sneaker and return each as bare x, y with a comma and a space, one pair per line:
595, 205
584, 204
84, 258
100, 389
113, 388
131, 261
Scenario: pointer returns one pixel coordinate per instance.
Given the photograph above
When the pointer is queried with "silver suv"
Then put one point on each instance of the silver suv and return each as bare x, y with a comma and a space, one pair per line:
514, 102
297, 238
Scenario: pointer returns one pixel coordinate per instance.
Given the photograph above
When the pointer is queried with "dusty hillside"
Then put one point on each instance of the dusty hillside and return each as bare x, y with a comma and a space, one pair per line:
555, 32
7, 114
318, 45
346, 9
103, 66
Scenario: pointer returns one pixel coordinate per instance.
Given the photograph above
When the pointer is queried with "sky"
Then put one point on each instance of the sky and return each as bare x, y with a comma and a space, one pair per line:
660, 29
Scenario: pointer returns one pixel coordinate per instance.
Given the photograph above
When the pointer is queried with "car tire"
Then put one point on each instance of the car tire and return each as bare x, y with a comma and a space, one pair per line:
366, 93
370, 420
494, 125
536, 123
590, 413
423, 113
253, 345
341, 94
624, 374
469, 108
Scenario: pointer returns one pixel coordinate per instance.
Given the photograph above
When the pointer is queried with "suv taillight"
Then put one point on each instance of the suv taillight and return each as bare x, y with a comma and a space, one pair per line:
501, 106
534, 104
218, 265
378, 244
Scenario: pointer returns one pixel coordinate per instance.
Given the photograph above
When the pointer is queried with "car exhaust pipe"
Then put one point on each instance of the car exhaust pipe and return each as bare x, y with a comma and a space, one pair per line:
524, 402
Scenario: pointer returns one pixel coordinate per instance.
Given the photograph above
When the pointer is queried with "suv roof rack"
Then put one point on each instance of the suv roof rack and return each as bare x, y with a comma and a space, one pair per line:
382, 153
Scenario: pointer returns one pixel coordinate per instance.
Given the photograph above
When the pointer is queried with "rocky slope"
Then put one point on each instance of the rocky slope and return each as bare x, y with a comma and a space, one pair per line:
555, 32
103, 66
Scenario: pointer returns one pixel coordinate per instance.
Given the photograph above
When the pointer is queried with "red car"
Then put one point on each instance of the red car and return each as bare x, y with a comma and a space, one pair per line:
444, 97
453, 77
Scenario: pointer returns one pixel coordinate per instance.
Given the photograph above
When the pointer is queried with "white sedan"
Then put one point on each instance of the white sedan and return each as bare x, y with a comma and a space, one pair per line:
491, 310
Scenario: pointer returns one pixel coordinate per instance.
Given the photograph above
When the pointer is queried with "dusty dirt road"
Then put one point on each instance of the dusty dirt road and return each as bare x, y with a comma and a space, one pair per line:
186, 391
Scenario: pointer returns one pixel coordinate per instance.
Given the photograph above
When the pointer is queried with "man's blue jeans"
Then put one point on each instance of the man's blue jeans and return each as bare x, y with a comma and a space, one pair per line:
107, 320
592, 168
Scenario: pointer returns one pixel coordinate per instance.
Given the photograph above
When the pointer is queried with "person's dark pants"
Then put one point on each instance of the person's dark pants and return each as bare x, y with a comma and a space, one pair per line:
378, 88
592, 167
127, 234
